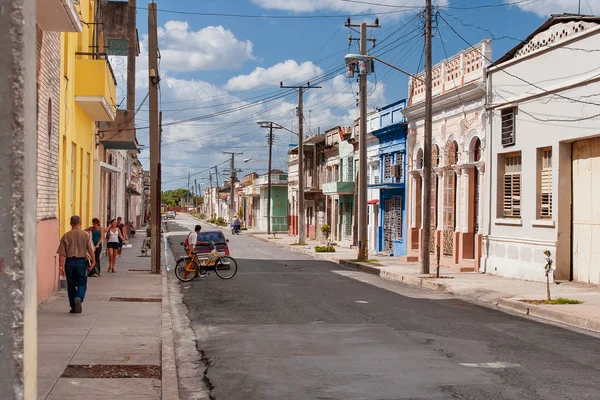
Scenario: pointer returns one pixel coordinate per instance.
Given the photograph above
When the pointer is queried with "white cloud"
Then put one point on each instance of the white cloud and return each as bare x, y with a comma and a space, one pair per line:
289, 70
211, 48
544, 8
343, 6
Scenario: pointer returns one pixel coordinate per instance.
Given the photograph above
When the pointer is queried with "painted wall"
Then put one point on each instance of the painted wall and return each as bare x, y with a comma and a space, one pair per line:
279, 208
77, 131
515, 246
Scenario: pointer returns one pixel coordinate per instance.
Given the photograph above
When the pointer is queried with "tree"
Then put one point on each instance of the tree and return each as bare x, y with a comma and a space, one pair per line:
173, 197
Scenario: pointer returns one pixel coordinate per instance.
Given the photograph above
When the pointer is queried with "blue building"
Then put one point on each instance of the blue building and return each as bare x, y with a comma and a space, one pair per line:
390, 128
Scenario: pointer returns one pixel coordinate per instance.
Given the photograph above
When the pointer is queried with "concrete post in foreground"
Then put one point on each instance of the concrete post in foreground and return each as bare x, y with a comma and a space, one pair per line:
18, 277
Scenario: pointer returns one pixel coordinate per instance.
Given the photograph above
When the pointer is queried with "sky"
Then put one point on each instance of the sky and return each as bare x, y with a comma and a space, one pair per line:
222, 62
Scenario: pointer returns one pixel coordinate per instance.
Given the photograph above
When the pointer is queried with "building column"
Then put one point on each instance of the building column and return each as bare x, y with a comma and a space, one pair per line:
458, 220
480, 170
413, 198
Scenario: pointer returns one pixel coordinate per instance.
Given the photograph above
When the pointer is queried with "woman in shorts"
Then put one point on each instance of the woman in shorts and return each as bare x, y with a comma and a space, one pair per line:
114, 237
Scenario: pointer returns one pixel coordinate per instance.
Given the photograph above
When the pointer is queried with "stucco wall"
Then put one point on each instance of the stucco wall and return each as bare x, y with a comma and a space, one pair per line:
515, 246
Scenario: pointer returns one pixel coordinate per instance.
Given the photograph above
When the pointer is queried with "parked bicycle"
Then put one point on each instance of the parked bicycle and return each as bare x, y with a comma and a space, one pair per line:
188, 269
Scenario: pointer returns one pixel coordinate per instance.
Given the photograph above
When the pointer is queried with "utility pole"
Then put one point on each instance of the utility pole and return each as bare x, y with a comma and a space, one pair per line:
301, 222
270, 140
363, 234
427, 171
217, 192
154, 137
196, 195
18, 184
187, 200
211, 196
233, 175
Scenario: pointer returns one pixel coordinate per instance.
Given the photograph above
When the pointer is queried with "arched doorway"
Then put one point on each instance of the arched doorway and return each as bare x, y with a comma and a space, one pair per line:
449, 214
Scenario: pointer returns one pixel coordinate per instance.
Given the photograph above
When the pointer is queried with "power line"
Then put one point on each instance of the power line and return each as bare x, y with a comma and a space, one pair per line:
513, 75
265, 16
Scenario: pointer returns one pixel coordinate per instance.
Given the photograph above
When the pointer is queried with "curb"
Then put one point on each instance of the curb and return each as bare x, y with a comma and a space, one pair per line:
169, 384
561, 317
508, 304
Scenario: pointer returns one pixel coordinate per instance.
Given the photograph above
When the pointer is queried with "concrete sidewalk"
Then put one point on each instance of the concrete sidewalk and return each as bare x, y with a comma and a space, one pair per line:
505, 293
125, 327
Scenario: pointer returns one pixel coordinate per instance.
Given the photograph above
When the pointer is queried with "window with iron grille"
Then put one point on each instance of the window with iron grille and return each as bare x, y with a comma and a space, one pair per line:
399, 167
387, 166
348, 220
349, 170
508, 126
546, 184
512, 186
392, 226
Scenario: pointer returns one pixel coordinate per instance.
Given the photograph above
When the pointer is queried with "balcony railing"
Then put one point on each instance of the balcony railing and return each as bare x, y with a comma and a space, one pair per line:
339, 188
95, 86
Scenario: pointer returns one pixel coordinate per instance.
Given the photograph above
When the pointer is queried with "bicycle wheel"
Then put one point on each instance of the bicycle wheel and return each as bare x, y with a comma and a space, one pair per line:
186, 269
226, 267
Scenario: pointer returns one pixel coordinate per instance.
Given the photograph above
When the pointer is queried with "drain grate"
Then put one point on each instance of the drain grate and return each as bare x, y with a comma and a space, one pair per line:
137, 299
112, 371
139, 270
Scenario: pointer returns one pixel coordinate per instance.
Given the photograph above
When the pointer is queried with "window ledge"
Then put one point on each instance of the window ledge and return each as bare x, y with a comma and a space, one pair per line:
546, 223
508, 221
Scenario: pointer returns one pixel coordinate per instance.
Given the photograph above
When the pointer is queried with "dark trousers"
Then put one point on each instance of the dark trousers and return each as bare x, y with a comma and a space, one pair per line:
96, 269
76, 272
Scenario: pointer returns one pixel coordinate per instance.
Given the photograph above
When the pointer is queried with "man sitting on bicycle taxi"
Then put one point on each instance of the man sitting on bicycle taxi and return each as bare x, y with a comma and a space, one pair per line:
192, 241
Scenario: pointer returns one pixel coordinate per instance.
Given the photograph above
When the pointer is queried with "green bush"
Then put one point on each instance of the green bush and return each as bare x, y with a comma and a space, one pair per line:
221, 221
324, 249
202, 216
326, 231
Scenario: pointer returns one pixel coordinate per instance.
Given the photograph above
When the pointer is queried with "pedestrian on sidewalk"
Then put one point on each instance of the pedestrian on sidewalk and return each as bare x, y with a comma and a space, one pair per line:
121, 227
74, 250
113, 240
96, 232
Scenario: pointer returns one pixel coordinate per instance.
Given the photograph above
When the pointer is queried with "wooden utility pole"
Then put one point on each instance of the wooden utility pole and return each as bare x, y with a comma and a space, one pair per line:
362, 188
154, 137
301, 222
427, 146
233, 176
196, 191
211, 196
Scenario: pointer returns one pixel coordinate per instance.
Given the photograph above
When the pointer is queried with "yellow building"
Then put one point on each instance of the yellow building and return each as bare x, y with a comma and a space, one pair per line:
88, 96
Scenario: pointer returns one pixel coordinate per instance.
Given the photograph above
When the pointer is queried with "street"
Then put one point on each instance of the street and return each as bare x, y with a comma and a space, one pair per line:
291, 327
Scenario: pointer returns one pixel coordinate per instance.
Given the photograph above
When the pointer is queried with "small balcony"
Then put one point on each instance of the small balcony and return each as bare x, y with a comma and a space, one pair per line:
339, 188
95, 87
119, 134
58, 16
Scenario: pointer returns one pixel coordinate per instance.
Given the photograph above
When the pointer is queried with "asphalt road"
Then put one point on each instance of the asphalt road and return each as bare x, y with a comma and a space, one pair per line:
289, 327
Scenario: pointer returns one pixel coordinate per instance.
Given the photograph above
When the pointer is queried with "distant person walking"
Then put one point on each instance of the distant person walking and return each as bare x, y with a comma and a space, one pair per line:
121, 227
74, 250
114, 237
96, 231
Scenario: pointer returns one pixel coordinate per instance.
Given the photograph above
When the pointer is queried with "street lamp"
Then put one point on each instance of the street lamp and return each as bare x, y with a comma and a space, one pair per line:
247, 160
272, 125
364, 70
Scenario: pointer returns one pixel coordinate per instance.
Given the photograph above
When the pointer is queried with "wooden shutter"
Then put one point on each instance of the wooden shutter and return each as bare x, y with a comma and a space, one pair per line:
512, 187
508, 126
546, 185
